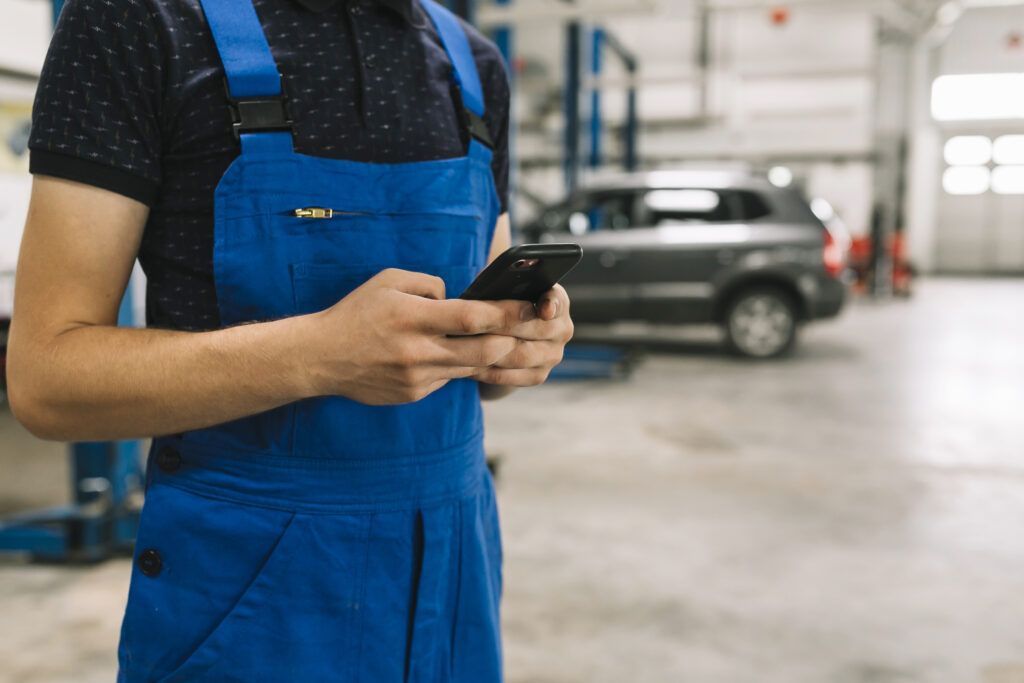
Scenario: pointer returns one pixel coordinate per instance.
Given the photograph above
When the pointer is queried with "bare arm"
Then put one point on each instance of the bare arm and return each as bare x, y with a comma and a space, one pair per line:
74, 375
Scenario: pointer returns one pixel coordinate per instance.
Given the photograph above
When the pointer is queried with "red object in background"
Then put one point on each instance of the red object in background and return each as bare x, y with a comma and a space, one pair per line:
518, 64
833, 256
779, 15
1014, 41
902, 269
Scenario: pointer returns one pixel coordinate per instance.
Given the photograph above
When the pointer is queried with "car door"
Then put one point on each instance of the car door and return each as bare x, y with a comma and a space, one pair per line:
695, 235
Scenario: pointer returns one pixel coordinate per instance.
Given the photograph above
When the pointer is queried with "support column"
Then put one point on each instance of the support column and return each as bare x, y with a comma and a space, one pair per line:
572, 105
596, 123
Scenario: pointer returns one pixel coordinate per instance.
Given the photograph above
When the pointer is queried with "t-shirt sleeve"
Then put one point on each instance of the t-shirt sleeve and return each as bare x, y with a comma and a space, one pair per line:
96, 116
494, 80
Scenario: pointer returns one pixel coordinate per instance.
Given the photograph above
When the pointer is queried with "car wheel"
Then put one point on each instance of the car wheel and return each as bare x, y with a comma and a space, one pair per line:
761, 322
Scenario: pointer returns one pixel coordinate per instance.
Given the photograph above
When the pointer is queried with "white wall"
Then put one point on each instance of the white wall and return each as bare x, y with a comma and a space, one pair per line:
25, 28
977, 44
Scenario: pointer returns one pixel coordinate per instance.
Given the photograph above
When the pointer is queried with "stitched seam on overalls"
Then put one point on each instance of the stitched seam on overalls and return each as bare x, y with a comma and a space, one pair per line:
385, 504
284, 461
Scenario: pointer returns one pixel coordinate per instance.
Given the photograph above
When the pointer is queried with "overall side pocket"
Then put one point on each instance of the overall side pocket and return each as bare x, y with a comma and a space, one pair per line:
195, 557
299, 619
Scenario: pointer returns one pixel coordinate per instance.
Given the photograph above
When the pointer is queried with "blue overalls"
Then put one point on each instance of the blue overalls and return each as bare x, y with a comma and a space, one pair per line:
325, 540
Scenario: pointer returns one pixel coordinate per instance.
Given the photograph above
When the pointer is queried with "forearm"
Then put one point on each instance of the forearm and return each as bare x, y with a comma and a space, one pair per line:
96, 382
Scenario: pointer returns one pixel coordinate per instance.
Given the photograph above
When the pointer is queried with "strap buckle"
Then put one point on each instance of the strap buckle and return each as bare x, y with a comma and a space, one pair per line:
478, 129
260, 114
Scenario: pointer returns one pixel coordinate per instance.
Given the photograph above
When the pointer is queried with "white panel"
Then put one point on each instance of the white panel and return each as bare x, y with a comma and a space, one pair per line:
25, 29
965, 180
1008, 180
1009, 149
968, 150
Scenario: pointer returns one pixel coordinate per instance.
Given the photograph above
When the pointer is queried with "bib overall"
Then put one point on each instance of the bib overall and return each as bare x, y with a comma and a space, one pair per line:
325, 540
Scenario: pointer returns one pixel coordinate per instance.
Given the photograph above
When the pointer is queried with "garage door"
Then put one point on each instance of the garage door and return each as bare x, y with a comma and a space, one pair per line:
980, 226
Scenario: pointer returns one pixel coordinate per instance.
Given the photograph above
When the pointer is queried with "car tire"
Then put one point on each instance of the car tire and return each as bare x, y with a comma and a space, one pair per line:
761, 322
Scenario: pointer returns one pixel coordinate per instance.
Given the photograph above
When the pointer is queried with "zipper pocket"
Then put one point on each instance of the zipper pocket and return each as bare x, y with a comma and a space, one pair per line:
321, 212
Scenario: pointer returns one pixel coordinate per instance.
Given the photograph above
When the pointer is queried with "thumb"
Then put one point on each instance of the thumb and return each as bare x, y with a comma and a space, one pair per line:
547, 307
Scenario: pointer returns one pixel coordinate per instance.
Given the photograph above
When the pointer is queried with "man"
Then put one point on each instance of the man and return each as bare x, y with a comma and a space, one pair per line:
304, 183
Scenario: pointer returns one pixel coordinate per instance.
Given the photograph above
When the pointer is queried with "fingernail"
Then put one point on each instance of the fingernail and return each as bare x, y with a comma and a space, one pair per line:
554, 308
526, 313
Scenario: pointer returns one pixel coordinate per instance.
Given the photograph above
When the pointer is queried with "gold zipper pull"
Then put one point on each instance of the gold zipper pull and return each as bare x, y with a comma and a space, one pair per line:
314, 212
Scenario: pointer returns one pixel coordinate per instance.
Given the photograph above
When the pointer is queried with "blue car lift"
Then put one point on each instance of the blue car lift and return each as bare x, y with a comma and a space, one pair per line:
591, 361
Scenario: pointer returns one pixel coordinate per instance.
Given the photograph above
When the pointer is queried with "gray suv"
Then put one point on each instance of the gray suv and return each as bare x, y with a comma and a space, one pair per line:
699, 247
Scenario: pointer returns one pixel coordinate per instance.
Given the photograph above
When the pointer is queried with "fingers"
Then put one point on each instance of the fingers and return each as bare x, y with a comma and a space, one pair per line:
530, 355
514, 378
526, 366
560, 329
474, 352
552, 321
459, 317
408, 282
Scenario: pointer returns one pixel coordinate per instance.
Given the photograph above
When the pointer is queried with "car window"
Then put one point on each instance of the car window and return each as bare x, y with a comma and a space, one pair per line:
703, 206
612, 211
625, 209
751, 205
687, 206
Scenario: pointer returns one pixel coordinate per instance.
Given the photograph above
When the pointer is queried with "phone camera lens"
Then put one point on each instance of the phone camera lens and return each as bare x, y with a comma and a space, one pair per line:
525, 263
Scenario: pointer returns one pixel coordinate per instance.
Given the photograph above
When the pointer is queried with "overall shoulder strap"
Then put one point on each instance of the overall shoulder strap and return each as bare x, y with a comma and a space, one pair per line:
258, 106
456, 44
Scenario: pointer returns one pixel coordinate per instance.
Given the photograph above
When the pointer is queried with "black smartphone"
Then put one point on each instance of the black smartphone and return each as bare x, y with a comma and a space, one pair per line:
524, 272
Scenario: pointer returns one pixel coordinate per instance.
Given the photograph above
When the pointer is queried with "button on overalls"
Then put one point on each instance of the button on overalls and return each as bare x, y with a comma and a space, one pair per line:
326, 540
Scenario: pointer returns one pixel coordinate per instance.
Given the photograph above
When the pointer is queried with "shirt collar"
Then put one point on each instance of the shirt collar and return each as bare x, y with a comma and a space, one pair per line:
402, 7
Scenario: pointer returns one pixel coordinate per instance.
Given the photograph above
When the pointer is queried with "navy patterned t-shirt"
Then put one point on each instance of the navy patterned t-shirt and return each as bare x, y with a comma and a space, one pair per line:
132, 99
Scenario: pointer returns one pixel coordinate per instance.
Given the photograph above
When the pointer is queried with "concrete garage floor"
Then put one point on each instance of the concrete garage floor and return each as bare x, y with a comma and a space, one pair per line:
854, 514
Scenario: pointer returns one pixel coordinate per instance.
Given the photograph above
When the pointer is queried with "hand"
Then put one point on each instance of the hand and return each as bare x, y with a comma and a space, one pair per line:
540, 343
396, 339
